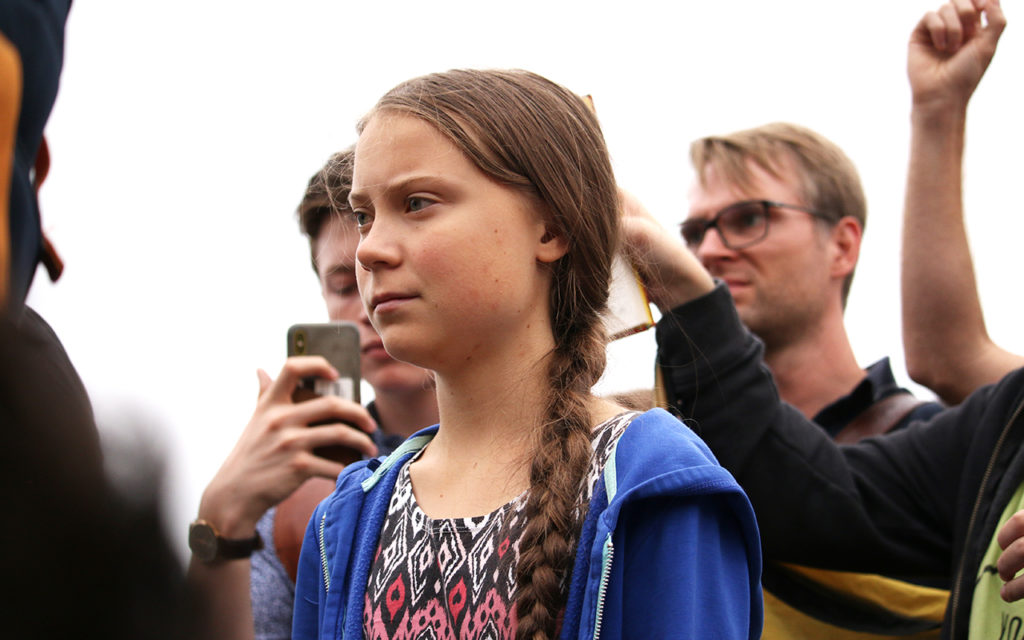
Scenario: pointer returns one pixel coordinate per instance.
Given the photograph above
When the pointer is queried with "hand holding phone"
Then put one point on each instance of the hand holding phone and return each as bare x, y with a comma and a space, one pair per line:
338, 343
275, 452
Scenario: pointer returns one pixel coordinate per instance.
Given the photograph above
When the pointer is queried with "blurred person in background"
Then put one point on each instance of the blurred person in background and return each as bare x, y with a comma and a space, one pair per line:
81, 557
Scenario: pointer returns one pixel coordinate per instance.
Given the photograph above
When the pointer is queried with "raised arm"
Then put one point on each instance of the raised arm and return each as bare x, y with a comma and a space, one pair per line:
946, 344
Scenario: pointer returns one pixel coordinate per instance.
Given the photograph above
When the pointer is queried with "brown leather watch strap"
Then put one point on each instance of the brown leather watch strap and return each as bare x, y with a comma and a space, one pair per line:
208, 545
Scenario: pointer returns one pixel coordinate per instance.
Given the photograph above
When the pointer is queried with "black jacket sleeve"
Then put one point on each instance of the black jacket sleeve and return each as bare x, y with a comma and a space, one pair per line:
890, 504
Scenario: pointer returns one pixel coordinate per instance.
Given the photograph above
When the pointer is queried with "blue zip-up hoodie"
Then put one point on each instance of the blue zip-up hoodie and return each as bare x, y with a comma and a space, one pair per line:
669, 547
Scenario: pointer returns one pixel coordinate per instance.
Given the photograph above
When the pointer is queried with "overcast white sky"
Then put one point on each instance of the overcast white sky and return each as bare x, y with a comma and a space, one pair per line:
184, 134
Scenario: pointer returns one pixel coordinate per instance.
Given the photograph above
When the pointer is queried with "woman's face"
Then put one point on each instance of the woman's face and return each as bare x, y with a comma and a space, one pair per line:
335, 253
450, 262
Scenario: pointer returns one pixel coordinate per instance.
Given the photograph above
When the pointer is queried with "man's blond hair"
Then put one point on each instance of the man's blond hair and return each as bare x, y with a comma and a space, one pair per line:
829, 182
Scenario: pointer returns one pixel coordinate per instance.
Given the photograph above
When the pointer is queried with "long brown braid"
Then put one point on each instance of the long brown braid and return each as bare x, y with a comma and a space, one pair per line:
534, 135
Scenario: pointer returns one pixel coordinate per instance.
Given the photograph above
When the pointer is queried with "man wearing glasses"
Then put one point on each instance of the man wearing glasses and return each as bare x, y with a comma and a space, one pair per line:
777, 215
776, 218
936, 499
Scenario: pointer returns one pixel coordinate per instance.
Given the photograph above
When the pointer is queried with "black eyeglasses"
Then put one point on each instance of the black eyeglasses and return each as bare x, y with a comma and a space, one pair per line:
740, 225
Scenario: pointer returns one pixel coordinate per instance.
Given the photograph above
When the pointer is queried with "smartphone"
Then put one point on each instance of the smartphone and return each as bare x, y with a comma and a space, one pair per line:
338, 343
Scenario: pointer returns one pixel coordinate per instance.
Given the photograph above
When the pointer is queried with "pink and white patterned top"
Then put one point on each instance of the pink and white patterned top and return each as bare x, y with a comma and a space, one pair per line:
454, 578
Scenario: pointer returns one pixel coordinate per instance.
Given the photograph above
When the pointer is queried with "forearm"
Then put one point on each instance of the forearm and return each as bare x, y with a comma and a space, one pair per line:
816, 503
225, 584
947, 347
707, 357
273, 456
224, 587
946, 344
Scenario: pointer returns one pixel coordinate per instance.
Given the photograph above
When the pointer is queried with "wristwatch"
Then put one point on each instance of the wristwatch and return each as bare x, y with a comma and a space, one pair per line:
207, 545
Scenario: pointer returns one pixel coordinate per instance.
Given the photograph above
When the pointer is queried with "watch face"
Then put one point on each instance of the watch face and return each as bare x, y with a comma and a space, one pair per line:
202, 540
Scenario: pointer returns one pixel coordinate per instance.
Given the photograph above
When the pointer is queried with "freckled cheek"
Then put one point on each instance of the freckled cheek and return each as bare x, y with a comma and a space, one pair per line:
467, 273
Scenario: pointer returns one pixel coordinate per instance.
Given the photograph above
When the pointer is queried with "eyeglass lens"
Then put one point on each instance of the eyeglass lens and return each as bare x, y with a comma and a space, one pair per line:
739, 225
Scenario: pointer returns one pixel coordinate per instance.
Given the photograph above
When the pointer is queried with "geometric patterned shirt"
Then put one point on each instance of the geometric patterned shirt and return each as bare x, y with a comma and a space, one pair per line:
454, 578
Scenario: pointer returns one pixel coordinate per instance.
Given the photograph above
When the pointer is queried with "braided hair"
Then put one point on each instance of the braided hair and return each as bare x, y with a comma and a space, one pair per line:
534, 135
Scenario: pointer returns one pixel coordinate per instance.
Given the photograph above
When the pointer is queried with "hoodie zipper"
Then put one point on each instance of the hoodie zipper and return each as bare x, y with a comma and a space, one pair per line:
957, 585
607, 555
323, 554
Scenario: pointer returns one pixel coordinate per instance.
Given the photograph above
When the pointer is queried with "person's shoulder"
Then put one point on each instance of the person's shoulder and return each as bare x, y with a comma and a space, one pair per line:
926, 410
1013, 380
661, 434
659, 460
657, 444
1004, 396
351, 479
365, 475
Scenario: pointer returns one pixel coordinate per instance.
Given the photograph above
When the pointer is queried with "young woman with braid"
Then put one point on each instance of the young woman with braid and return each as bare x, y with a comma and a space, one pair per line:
488, 218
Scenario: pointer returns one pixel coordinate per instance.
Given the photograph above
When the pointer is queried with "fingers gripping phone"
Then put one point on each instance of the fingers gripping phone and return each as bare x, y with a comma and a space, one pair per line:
338, 343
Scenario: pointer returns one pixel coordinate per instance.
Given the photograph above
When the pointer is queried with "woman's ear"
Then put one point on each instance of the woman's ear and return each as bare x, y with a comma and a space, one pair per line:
551, 246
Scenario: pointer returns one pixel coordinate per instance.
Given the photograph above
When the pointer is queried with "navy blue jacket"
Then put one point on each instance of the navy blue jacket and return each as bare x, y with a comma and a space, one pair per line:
36, 30
669, 547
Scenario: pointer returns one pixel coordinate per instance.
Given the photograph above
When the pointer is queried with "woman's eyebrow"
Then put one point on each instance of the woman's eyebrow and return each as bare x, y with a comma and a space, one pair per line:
357, 198
400, 184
